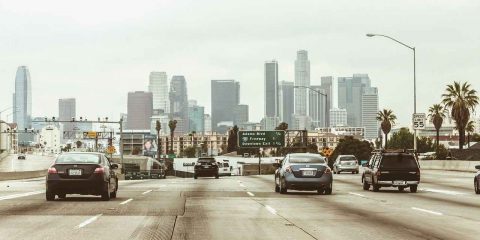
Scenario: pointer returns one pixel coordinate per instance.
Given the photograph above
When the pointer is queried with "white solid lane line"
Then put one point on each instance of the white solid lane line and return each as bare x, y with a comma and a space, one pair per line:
428, 211
20, 195
271, 210
251, 194
147, 192
356, 194
442, 191
88, 221
126, 201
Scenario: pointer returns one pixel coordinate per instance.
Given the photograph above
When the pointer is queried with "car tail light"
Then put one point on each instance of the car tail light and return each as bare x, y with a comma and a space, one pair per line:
52, 170
99, 170
288, 169
328, 170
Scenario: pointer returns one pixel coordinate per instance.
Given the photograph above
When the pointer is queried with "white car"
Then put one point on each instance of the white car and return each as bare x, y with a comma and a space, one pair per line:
224, 168
345, 163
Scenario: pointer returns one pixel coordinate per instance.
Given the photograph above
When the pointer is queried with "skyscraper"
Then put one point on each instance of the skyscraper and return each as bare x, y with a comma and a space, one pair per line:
22, 104
271, 89
158, 86
139, 110
196, 115
179, 103
338, 117
327, 87
286, 102
225, 97
369, 112
350, 90
67, 111
240, 114
317, 106
302, 78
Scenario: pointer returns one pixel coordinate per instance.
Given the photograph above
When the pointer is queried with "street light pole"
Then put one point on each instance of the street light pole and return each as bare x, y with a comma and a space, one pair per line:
326, 101
414, 82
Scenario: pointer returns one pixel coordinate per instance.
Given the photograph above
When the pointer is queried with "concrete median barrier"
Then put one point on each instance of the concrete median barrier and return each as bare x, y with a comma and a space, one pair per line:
22, 175
449, 165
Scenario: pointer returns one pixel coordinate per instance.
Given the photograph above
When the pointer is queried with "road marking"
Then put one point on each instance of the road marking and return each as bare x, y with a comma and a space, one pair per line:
241, 185
357, 194
147, 192
427, 211
271, 210
442, 191
88, 221
20, 195
251, 194
126, 201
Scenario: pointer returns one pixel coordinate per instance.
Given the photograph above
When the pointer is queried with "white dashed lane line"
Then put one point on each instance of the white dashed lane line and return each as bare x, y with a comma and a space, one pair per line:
20, 195
126, 201
442, 191
356, 194
251, 194
147, 192
271, 210
427, 211
88, 221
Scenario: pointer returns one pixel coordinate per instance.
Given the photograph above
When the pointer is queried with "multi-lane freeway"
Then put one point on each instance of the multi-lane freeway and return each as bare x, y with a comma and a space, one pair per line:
445, 207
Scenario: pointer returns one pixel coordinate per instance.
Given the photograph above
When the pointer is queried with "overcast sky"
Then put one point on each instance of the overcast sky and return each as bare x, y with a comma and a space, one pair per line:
98, 51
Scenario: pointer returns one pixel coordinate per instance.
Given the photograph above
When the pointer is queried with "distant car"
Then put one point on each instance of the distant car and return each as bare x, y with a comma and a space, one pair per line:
345, 163
303, 171
22, 156
82, 173
391, 169
476, 180
224, 168
206, 167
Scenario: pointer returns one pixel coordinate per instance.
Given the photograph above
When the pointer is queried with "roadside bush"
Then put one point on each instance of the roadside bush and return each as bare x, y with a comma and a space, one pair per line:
441, 152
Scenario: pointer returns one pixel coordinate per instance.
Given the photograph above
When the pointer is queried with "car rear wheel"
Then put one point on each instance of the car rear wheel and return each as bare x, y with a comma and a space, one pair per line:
277, 188
195, 176
366, 186
376, 188
106, 193
400, 189
49, 196
475, 185
217, 176
62, 195
283, 186
413, 188
114, 193
329, 190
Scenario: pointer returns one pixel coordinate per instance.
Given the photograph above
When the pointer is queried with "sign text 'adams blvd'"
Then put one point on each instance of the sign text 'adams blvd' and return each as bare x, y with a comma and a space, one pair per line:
261, 139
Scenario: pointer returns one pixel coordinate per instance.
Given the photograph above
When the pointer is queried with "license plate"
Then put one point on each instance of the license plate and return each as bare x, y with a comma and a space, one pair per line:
74, 172
206, 166
308, 173
398, 182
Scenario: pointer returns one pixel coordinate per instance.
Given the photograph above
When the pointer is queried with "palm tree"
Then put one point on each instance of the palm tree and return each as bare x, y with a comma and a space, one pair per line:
470, 128
158, 127
172, 124
461, 99
282, 126
387, 119
437, 113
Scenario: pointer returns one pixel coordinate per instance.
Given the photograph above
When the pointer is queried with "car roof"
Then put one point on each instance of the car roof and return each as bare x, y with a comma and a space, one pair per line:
89, 153
305, 154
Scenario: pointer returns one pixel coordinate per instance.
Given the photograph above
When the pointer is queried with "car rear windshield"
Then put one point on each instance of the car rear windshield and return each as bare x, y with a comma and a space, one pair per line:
79, 158
306, 159
349, 158
398, 161
206, 160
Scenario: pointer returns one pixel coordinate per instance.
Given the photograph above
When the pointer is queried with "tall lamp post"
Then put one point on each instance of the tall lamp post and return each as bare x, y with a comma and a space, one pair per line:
326, 100
414, 81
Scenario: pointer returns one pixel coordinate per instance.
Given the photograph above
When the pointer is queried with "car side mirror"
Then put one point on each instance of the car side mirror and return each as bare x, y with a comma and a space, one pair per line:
114, 166
477, 167
276, 165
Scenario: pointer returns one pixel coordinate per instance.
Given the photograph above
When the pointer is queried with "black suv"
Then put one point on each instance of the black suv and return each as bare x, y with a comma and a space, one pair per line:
391, 169
206, 167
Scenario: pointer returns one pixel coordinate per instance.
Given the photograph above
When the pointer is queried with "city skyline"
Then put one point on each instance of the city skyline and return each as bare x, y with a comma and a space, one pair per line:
107, 58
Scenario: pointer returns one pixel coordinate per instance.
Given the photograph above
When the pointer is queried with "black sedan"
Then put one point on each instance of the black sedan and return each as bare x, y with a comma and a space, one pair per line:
476, 180
206, 167
82, 173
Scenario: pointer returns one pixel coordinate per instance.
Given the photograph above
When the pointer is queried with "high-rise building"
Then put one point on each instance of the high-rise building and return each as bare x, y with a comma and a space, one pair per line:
240, 114
269, 123
302, 78
196, 115
67, 111
338, 117
158, 86
327, 86
301, 122
22, 104
271, 89
369, 112
225, 96
350, 90
207, 120
317, 106
179, 104
286, 100
139, 110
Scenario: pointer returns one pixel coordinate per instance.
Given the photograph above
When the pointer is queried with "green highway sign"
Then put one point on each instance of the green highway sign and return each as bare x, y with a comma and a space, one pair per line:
261, 139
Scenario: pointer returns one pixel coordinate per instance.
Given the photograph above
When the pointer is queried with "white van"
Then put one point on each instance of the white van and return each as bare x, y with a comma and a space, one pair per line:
224, 168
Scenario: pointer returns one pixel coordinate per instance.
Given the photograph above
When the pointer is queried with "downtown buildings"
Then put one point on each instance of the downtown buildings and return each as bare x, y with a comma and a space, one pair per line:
22, 104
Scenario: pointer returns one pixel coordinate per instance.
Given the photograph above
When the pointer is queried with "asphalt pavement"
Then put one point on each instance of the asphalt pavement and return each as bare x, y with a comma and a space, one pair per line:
445, 207
31, 163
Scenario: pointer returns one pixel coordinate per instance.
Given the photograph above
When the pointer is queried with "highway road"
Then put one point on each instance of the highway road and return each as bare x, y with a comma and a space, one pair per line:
445, 207
31, 163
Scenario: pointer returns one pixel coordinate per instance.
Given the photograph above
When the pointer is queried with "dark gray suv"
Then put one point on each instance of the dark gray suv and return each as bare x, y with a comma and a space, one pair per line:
303, 171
